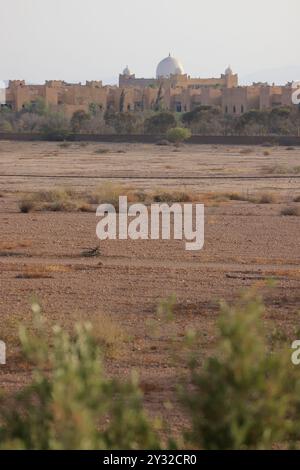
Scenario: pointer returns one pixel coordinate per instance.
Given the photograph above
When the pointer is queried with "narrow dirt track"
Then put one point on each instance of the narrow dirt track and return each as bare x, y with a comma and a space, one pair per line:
155, 177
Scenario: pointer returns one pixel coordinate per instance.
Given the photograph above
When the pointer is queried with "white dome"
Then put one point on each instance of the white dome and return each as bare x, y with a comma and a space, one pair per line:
228, 71
169, 66
126, 71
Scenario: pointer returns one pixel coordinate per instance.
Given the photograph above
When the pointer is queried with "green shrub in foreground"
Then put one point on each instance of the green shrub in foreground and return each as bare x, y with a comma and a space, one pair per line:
245, 397
70, 404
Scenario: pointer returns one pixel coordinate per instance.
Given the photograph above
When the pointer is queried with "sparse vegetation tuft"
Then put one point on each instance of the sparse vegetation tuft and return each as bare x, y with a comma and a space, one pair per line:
65, 145
281, 170
236, 197
265, 198
101, 151
107, 193
56, 200
246, 151
67, 200
292, 211
172, 196
26, 205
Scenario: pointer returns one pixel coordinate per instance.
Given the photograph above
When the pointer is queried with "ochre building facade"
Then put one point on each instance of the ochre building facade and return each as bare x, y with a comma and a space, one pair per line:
172, 90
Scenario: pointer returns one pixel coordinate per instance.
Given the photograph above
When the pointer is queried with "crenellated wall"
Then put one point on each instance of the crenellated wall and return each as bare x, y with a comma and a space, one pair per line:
180, 93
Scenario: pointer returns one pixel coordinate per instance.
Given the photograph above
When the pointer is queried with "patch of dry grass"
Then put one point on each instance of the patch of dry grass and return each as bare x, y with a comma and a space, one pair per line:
38, 274
65, 145
9, 245
246, 151
85, 207
281, 170
67, 200
220, 197
265, 198
212, 199
26, 205
10, 330
164, 196
237, 196
137, 196
42, 271
107, 193
217, 198
101, 151
292, 211
111, 337
56, 200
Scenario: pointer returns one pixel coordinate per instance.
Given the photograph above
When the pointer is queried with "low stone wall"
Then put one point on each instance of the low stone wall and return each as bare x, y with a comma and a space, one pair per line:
245, 140
152, 139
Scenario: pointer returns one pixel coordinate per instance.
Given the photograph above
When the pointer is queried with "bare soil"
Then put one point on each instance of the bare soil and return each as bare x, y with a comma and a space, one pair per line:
246, 243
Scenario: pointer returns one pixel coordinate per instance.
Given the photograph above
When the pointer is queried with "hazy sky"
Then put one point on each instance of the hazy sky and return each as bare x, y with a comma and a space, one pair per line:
77, 40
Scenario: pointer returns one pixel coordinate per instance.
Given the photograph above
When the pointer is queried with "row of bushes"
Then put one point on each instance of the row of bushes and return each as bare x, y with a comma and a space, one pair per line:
68, 200
244, 397
204, 120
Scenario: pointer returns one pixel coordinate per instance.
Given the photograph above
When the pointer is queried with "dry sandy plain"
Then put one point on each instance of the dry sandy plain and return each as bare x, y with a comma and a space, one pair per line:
245, 243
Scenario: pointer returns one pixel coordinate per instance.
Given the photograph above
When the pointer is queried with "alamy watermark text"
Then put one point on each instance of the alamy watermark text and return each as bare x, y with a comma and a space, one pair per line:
138, 222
